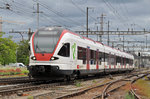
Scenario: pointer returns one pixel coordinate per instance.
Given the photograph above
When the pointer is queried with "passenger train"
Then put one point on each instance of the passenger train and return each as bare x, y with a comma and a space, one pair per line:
58, 53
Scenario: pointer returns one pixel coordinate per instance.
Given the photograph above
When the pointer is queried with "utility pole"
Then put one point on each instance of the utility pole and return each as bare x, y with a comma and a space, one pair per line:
87, 22
87, 28
101, 25
123, 42
146, 41
108, 34
38, 12
97, 35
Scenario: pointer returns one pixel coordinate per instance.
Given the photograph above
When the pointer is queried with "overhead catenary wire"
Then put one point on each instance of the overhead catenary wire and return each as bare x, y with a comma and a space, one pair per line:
127, 11
19, 9
52, 20
115, 12
61, 15
82, 10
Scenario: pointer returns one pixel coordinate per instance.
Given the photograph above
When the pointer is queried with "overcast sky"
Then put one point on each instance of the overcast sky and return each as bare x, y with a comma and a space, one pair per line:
122, 14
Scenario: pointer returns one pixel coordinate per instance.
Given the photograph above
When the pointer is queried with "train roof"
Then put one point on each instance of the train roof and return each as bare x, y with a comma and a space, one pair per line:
108, 49
60, 29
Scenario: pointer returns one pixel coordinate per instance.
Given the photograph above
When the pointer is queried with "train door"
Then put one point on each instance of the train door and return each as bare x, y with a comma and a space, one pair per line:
124, 62
115, 63
97, 59
109, 60
73, 55
88, 58
121, 62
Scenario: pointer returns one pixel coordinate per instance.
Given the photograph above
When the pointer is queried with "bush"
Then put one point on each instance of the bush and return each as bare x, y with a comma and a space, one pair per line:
25, 72
13, 71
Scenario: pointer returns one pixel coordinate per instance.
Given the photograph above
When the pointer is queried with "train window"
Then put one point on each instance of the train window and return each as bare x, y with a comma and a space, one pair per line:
130, 62
65, 50
82, 54
103, 57
106, 57
118, 59
115, 63
108, 60
112, 60
124, 61
115, 59
45, 41
93, 57
100, 58
127, 61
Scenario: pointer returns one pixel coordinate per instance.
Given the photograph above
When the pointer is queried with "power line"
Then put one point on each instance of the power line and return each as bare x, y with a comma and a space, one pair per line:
115, 12
55, 21
61, 15
126, 8
82, 10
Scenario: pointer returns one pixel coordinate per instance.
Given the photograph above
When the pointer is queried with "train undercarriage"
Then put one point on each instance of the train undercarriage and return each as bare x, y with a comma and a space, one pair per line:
54, 73
50, 73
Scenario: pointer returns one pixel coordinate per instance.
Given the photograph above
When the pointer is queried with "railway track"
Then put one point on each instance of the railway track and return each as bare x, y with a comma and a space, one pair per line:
108, 90
19, 80
29, 84
29, 87
16, 80
100, 91
4, 91
132, 91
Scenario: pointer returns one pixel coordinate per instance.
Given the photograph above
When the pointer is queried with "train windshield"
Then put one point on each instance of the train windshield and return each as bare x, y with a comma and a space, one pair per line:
45, 41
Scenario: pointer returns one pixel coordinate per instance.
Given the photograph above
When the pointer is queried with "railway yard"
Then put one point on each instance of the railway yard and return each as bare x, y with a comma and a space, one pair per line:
74, 49
116, 86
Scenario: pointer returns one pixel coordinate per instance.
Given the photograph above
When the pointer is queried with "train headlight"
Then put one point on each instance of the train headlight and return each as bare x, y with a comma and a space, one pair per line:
53, 58
33, 58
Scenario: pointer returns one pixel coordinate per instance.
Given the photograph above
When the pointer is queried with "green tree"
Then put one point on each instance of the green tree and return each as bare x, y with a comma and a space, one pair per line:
7, 50
23, 52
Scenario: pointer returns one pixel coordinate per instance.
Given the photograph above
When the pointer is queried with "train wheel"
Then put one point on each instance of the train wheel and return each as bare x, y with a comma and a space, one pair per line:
66, 78
73, 77
29, 75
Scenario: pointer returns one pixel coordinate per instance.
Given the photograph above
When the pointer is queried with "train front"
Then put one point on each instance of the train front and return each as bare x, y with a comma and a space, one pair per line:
42, 46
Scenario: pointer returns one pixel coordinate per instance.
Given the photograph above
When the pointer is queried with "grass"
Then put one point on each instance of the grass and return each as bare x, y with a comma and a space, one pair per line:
143, 87
129, 96
94, 81
78, 83
30, 97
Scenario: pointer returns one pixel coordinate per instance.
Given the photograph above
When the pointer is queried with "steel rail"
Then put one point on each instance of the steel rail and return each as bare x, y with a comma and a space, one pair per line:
131, 86
30, 87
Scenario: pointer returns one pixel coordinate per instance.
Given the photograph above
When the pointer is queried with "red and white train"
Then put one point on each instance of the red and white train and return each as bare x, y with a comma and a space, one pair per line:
58, 53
